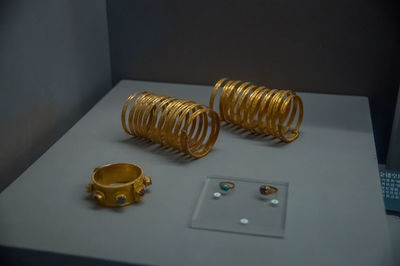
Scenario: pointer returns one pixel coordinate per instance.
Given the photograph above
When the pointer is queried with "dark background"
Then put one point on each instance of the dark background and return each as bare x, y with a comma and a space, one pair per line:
58, 58
343, 47
54, 66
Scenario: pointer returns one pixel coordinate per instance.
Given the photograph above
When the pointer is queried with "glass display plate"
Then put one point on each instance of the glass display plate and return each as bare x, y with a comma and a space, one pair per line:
245, 202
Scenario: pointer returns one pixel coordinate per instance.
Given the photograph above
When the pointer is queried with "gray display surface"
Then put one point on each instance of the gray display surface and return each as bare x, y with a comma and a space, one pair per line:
335, 212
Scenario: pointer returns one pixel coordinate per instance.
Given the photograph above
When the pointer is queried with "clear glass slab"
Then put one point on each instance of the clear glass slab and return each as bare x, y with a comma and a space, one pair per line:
230, 211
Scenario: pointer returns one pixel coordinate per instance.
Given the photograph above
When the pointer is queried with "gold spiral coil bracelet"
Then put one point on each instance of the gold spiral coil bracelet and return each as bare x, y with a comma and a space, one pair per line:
187, 126
259, 109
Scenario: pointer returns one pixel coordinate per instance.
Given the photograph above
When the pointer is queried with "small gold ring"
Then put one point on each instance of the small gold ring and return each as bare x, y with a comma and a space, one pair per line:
268, 190
225, 186
117, 185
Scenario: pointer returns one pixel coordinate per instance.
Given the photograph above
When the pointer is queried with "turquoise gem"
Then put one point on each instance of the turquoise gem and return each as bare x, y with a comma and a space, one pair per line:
224, 187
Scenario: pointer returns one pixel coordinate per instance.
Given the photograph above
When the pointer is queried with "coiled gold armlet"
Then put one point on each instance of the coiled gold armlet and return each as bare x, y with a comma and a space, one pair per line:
187, 126
259, 109
116, 185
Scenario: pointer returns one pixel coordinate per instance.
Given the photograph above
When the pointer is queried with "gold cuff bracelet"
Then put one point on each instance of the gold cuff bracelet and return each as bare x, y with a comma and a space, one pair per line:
116, 185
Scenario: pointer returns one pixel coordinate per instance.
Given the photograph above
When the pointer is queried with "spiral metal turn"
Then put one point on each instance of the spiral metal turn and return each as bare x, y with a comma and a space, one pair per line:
259, 109
187, 126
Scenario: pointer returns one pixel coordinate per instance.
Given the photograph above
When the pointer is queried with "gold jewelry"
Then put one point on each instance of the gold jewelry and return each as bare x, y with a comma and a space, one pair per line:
116, 185
259, 109
268, 189
181, 124
225, 186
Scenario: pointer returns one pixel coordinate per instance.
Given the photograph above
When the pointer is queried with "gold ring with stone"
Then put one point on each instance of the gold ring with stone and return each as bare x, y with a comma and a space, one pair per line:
225, 186
268, 189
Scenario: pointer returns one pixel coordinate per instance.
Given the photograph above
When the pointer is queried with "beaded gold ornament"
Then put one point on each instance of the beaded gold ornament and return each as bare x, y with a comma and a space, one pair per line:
187, 126
259, 109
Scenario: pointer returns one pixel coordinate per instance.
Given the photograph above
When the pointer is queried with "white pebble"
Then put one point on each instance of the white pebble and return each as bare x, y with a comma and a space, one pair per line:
274, 202
217, 195
244, 221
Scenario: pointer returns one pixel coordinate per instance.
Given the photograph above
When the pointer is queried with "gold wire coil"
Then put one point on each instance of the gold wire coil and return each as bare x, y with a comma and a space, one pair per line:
181, 124
259, 109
